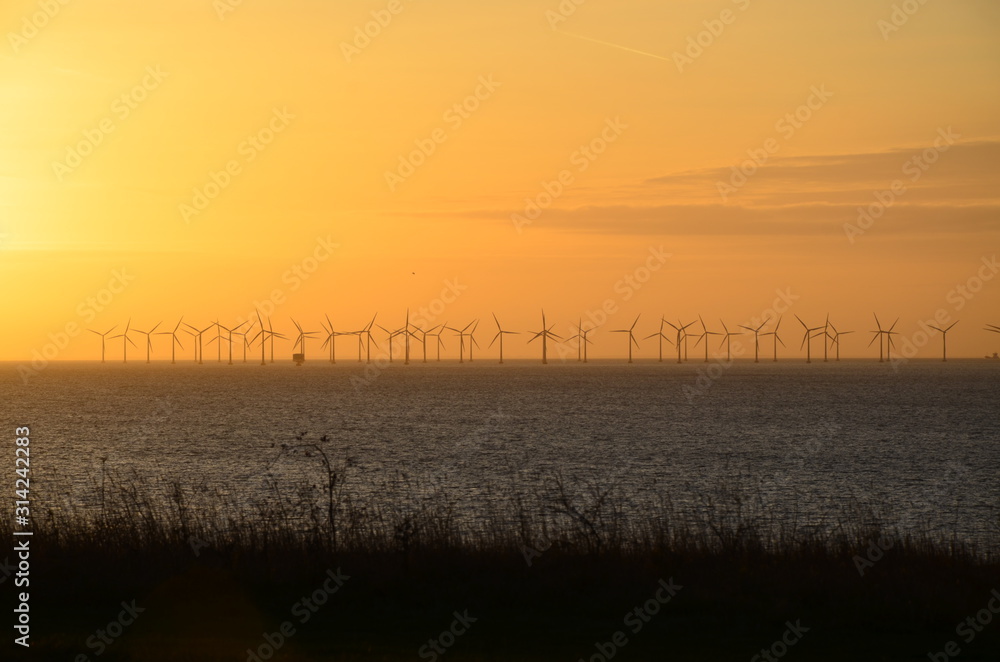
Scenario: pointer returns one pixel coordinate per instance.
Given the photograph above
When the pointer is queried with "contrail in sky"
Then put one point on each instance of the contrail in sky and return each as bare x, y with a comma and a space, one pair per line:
607, 43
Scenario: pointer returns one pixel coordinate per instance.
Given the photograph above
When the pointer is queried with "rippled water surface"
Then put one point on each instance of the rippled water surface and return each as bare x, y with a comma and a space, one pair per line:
922, 441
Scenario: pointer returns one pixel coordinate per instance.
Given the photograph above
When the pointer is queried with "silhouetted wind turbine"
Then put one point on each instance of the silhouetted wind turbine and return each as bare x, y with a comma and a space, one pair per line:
262, 334
835, 338
499, 336
777, 338
149, 340
807, 338
103, 338
423, 339
174, 340
217, 339
300, 341
888, 333
125, 341
944, 339
439, 343
756, 339
461, 341
229, 338
728, 341
661, 337
371, 340
472, 338
681, 329
826, 337
331, 339
705, 333
583, 334
631, 337
391, 334
244, 335
272, 335
545, 334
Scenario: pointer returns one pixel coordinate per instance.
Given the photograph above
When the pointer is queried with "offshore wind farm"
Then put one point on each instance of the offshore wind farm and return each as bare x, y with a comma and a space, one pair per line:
564, 347
534, 330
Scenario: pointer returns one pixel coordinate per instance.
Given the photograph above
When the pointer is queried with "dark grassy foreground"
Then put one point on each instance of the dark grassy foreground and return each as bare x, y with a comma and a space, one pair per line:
211, 584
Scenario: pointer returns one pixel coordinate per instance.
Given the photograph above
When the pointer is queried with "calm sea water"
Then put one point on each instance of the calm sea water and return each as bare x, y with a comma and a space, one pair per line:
922, 442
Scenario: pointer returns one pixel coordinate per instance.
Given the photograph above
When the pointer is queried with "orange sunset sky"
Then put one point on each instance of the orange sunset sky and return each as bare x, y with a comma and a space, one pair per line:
118, 116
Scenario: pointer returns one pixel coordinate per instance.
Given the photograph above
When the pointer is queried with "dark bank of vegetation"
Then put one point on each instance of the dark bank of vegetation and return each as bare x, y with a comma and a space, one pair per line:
557, 573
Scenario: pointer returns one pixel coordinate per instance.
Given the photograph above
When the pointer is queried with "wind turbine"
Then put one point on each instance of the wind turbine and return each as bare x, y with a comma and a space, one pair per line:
392, 334
826, 337
472, 338
231, 331
661, 337
993, 328
125, 340
331, 340
888, 333
368, 332
808, 337
461, 336
944, 339
423, 339
244, 334
583, 333
272, 335
407, 334
681, 329
728, 341
705, 333
104, 337
199, 352
440, 343
545, 334
174, 340
631, 336
777, 338
262, 334
499, 336
302, 337
149, 339
217, 339
756, 340
835, 339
